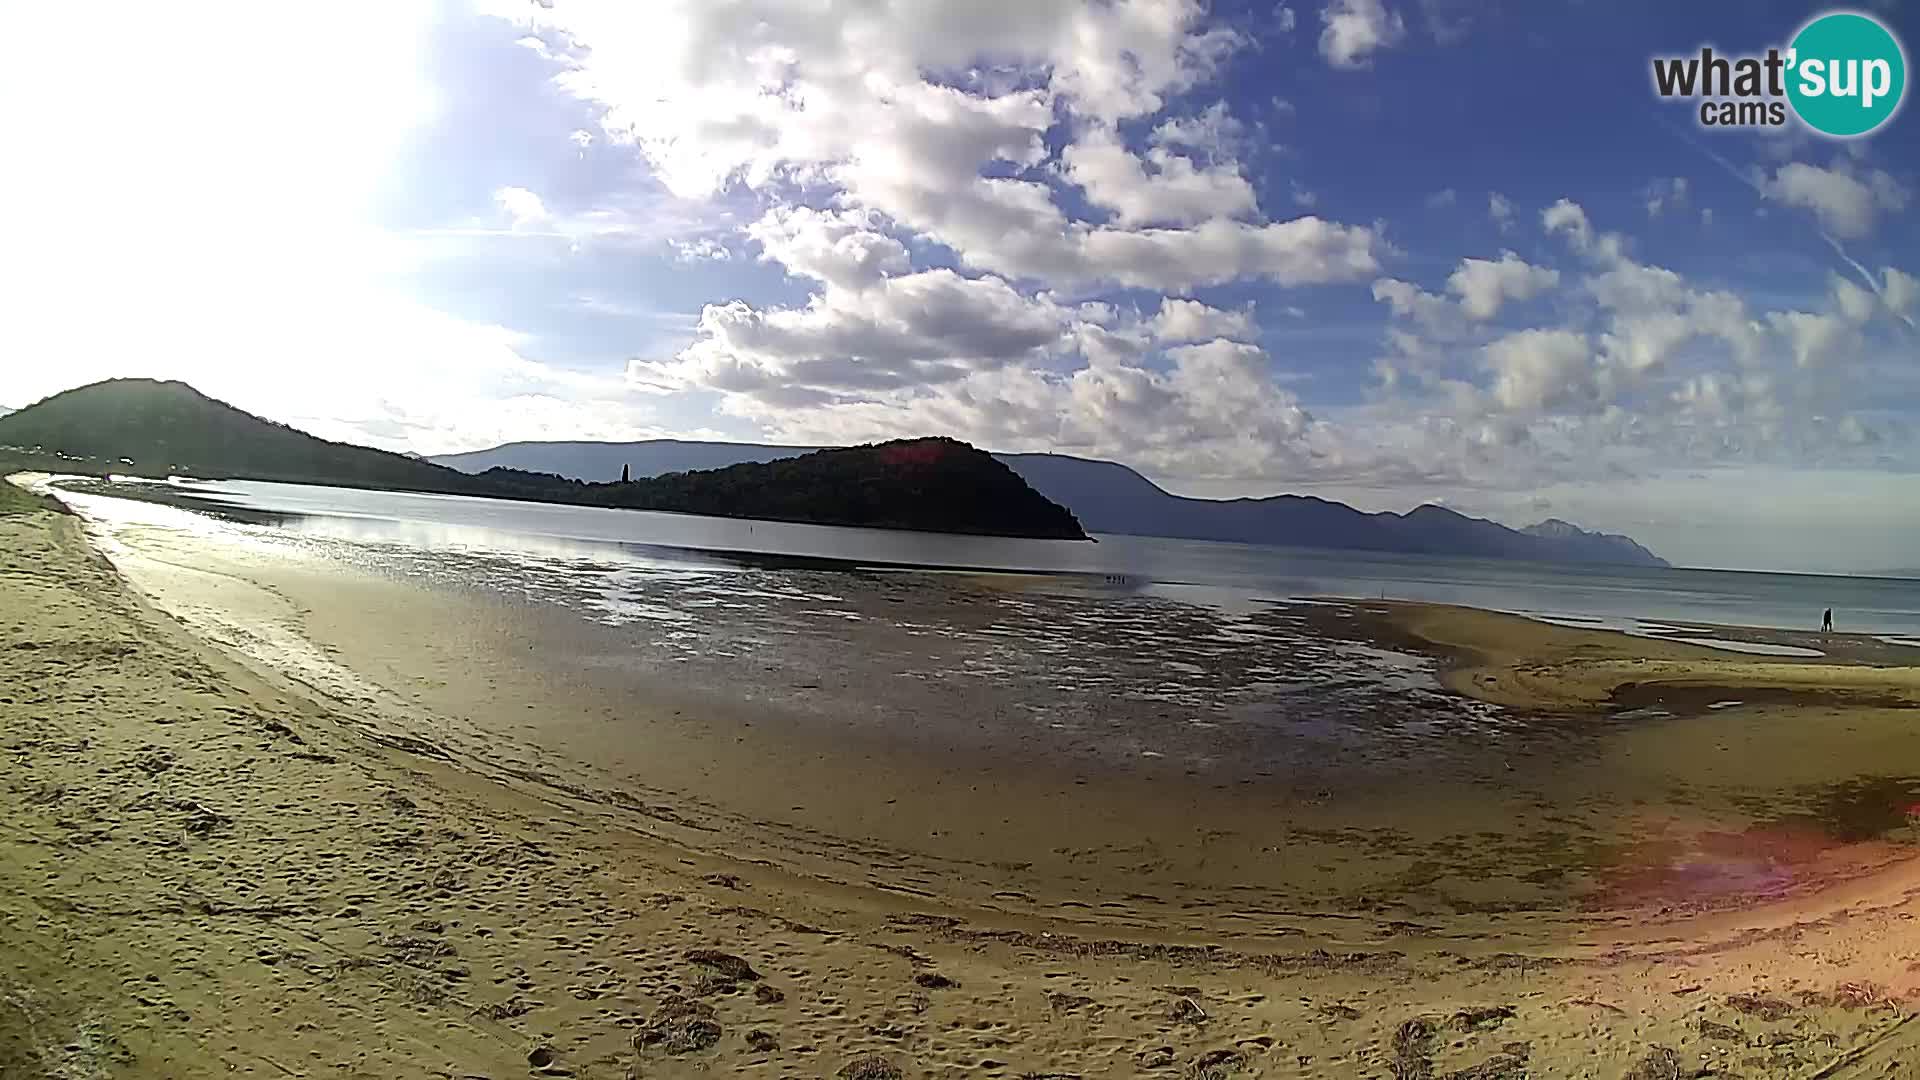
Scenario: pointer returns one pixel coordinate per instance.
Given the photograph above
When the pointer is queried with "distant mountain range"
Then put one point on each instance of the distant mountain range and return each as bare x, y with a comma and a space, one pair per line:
1112, 498
164, 428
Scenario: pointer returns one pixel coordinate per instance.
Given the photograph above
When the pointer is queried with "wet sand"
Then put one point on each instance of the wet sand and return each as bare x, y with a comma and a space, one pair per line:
446, 844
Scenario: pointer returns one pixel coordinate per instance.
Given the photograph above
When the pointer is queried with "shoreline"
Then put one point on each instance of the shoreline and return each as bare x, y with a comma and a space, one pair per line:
570, 894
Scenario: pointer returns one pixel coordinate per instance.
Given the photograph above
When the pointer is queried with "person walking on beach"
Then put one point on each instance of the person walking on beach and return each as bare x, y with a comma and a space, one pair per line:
1826, 622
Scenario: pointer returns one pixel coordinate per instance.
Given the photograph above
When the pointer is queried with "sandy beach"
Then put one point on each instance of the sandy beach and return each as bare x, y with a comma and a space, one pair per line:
274, 818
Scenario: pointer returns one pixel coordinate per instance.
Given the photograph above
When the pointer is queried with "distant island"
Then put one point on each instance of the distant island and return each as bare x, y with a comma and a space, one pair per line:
150, 428
1108, 497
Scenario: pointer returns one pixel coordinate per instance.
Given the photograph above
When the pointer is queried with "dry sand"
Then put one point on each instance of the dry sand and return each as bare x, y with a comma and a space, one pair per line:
208, 870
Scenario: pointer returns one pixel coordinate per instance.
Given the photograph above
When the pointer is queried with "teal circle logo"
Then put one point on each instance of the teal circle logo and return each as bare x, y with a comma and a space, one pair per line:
1847, 74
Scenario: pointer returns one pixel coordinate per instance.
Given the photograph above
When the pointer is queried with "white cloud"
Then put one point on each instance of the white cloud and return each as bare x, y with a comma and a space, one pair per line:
1181, 321
1162, 188
1438, 315
1901, 292
1356, 29
1442, 199
1214, 411
1570, 218
1855, 303
1214, 132
1481, 288
1303, 251
1542, 369
700, 249
845, 248
1500, 209
710, 92
1484, 285
523, 207
1846, 205
914, 329
1284, 19
1667, 193
1816, 340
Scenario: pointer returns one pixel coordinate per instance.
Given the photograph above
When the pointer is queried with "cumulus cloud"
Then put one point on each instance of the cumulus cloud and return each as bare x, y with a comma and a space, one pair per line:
1209, 410
1542, 369
1484, 285
1356, 29
845, 248
915, 329
1500, 209
1214, 132
962, 189
1815, 339
700, 249
1479, 288
1159, 188
523, 207
1846, 205
1569, 218
1667, 193
1182, 321
1901, 292
1436, 314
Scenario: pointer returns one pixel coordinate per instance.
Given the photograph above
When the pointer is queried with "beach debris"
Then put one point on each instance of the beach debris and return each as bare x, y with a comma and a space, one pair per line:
200, 820
1760, 1008
762, 1042
1185, 1010
1338, 1011
1413, 1048
1216, 1065
1497, 1067
1487, 1017
726, 965
1068, 1002
1660, 1063
934, 981
508, 1009
768, 995
416, 951
680, 1025
725, 881
870, 1067
710, 983
1156, 1057
540, 1056
1722, 1032
1852, 995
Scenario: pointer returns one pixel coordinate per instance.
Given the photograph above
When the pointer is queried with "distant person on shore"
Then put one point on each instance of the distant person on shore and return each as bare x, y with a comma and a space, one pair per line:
1826, 622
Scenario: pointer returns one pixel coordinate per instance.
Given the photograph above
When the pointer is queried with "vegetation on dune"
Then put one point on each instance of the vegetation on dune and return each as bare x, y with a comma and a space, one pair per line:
15, 501
147, 428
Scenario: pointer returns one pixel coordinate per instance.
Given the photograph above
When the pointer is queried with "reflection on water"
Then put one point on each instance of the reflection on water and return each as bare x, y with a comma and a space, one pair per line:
1220, 573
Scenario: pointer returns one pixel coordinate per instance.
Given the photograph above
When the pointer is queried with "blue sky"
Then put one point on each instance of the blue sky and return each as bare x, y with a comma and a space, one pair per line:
1390, 251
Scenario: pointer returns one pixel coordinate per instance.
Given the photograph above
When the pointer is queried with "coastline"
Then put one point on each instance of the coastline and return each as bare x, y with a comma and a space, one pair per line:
299, 877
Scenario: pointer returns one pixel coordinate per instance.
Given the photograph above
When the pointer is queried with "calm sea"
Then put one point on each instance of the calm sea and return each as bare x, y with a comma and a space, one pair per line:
1234, 576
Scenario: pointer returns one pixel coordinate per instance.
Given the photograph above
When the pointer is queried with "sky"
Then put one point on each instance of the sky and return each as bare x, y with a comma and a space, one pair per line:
1385, 251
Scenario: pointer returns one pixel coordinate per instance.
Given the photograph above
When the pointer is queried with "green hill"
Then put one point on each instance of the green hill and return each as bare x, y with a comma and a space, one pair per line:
156, 428
159, 428
933, 485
